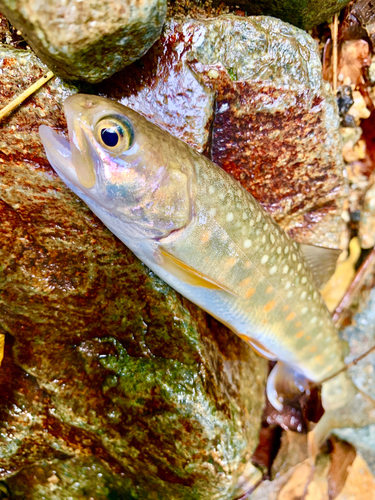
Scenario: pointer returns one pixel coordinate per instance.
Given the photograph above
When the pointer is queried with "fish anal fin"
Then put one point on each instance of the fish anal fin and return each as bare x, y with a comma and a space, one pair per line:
258, 347
321, 261
188, 274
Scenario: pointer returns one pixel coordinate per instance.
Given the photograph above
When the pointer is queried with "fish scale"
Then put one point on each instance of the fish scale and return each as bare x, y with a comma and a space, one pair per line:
283, 319
201, 232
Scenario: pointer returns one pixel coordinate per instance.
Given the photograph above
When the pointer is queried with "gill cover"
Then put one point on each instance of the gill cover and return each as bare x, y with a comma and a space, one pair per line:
125, 164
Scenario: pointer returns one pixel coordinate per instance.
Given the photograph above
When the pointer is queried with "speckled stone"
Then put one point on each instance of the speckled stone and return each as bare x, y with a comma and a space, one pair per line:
111, 381
249, 93
85, 40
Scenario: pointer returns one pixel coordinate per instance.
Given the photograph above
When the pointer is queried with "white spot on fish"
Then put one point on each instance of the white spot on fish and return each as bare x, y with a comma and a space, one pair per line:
264, 259
229, 217
278, 250
273, 270
222, 196
263, 239
212, 212
304, 280
299, 267
244, 216
313, 320
252, 223
258, 217
247, 243
290, 294
265, 227
211, 189
304, 310
285, 269
286, 250
303, 295
272, 238
288, 284
294, 257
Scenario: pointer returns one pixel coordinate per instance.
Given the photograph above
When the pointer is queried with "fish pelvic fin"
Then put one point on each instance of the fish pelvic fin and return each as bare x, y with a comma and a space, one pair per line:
345, 406
188, 274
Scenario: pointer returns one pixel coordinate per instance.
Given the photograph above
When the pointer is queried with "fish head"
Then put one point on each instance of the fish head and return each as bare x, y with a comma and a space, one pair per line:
125, 164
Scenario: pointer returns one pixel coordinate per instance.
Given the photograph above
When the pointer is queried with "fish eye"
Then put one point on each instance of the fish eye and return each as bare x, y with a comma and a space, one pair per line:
115, 134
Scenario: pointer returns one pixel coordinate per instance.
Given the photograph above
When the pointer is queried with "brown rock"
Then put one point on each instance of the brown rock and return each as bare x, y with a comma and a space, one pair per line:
106, 368
274, 124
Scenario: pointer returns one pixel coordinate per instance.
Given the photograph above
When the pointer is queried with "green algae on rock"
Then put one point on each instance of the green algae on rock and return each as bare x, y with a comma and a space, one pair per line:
106, 367
87, 40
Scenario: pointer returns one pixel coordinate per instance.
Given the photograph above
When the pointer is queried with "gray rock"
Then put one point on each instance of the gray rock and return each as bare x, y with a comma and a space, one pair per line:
361, 337
87, 40
302, 13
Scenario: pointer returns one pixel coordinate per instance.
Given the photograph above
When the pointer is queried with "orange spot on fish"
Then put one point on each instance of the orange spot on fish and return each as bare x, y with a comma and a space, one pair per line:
319, 359
269, 289
248, 264
230, 262
290, 316
245, 282
250, 292
264, 321
300, 334
270, 305
298, 324
313, 348
285, 308
205, 238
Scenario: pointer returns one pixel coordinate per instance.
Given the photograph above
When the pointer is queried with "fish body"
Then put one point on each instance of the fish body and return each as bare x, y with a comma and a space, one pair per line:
207, 237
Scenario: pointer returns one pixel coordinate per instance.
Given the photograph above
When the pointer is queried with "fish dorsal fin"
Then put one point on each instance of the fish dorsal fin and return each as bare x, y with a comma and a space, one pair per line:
188, 274
321, 261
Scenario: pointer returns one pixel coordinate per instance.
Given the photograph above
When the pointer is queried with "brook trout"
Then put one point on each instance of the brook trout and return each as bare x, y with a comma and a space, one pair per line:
209, 239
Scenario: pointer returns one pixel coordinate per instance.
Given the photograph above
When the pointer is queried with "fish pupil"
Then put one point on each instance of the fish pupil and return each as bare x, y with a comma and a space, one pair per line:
110, 137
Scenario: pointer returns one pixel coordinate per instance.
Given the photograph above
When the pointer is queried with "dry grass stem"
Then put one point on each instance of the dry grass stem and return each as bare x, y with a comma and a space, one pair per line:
25, 94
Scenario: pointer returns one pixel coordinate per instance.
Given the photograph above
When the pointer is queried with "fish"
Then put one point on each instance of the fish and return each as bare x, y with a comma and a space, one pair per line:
206, 236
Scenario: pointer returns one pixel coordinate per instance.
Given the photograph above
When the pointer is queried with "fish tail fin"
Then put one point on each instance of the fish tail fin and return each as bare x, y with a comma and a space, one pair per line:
345, 406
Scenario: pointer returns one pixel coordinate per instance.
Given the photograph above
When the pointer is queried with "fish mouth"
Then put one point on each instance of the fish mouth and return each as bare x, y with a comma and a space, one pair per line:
59, 154
75, 159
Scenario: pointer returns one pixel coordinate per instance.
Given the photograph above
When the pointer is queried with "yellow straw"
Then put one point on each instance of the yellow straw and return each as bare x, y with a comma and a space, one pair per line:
30, 90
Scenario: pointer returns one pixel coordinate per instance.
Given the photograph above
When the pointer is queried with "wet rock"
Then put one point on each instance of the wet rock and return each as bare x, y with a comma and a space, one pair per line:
87, 40
302, 13
109, 375
361, 337
249, 93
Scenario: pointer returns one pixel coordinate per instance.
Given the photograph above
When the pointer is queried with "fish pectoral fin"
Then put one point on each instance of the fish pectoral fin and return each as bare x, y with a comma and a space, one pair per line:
188, 274
286, 381
258, 347
321, 261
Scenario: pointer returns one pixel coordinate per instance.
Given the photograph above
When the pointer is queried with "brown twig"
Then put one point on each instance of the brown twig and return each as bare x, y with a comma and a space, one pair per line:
354, 287
334, 32
25, 94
